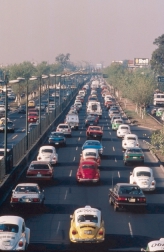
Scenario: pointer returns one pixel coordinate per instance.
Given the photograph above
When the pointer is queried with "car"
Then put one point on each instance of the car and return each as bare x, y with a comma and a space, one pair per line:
10, 127
90, 154
14, 233
27, 194
88, 172
122, 130
94, 144
22, 109
41, 107
96, 115
91, 120
130, 140
154, 246
114, 117
50, 108
116, 123
94, 132
32, 117
78, 103
31, 104
113, 112
65, 129
11, 96
47, 153
57, 139
159, 112
32, 126
133, 155
143, 177
40, 170
125, 195
87, 225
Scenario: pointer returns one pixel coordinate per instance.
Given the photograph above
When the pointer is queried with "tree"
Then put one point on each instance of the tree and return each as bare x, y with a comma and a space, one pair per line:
63, 59
157, 60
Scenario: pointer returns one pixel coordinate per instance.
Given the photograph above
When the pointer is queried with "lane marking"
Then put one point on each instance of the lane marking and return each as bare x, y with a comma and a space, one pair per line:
66, 194
77, 148
79, 139
80, 132
70, 174
115, 160
118, 174
14, 136
58, 227
74, 159
130, 229
23, 129
113, 148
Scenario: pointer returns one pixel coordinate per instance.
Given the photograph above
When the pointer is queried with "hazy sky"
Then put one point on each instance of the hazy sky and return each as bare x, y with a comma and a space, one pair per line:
92, 31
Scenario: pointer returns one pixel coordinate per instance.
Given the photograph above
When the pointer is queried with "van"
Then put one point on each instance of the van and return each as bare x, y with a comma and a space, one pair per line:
72, 120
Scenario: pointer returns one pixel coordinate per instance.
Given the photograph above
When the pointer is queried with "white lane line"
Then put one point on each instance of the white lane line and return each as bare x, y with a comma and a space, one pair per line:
130, 229
58, 227
14, 136
23, 129
118, 174
115, 160
66, 194
70, 174
77, 148
113, 148
79, 139
74, 159
80, 132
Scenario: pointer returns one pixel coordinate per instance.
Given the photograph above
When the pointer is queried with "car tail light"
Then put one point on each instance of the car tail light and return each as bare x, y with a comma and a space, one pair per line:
35, 199
124, 143
57, 130
14, 199
20, 243
39, 158
101, 232
142, 157
97, 174
142, 199
122, 198
126, 156
134, 183
74, 232
136, 144
153, 182
69, 130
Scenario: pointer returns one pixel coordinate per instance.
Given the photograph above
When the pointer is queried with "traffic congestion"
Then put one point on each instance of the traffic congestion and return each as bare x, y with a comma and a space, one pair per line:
92, 185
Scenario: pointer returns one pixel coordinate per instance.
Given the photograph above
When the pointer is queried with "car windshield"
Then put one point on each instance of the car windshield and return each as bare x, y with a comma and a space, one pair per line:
39, 167
8, 228
47, 151
87, 218
25, 189
143, 173
90, 154
130, 190
134, 151
88, 166
92, 143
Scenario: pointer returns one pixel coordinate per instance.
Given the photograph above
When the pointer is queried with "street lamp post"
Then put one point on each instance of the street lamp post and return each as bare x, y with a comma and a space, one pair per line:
5, 135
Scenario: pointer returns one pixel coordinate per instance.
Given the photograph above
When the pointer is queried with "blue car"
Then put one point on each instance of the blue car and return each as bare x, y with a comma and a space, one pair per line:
95, 144
57, 139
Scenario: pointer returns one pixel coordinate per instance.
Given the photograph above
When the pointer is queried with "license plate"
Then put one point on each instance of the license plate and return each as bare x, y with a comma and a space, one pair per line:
132, 200
26, 200
91, 123
56, 143
134, 157
95, 135
39, 175
87, 232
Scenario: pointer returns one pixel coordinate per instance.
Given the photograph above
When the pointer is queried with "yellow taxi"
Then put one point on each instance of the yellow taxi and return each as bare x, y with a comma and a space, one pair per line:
31, 104
87, 226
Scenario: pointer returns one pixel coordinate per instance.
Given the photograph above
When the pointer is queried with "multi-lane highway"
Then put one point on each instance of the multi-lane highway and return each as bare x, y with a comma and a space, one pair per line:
125, 230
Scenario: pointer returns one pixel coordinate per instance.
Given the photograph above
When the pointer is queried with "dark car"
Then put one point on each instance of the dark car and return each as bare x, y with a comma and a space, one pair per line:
91, 120
22, 109
133, 155
10, 127
57, 138
124, 195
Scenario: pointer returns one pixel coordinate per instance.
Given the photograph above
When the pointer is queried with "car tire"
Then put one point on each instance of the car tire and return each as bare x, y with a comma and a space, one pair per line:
110, 201
26, 246
125, 163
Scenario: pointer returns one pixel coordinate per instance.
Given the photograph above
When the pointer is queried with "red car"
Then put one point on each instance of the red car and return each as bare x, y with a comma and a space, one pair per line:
88, 172
94, 132
41, 170
33, 117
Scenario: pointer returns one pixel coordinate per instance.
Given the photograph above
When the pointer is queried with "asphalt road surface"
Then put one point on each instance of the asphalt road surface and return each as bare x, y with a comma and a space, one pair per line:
125, 230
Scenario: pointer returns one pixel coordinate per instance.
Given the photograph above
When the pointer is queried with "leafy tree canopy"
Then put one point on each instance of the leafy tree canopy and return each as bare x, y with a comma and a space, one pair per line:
157, 60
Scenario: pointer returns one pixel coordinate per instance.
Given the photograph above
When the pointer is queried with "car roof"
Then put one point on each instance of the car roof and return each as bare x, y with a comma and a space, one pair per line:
47, 147
17, 220
124, 125
27, 184
131, 135
90, 150
142, 168
88, 210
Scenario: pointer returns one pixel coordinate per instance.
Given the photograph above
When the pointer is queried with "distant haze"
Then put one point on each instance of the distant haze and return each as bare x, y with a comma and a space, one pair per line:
92, 31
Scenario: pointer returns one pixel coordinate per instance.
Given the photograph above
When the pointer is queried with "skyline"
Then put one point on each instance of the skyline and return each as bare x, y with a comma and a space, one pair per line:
92, 31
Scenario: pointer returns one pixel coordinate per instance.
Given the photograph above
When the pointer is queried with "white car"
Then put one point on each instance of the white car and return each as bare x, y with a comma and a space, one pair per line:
143, 177
123, 129
14, 235
47, 153
113, 113
78, 103
118, 117
130, 140
28, 194
65, 129
157, 245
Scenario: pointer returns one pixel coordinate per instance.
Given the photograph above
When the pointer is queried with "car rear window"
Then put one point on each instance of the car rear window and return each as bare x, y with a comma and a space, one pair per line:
63, 126
31, 189
88, 166
87, 218
143, 173
90, 154
47, 151
95, 128
134, 151
124, 127
130, 190
131, 138
39, 167
9, 228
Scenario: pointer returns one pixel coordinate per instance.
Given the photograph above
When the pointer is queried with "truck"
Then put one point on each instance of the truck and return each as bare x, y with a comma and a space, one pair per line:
72, 120
158, 99
94, 107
